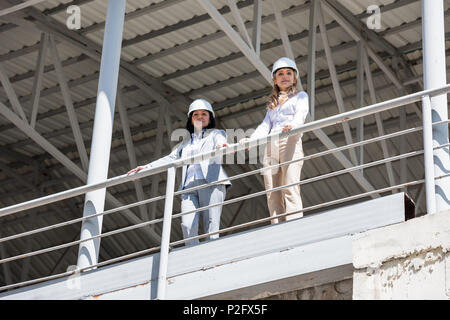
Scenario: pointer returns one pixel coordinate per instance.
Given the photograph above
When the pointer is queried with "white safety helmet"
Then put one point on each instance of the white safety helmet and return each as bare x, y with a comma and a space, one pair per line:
200, 104
284, 63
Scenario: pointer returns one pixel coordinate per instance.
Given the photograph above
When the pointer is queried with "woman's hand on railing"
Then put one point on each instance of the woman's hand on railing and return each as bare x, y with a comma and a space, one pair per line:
287, 128
137, 169
222, 145
243, 141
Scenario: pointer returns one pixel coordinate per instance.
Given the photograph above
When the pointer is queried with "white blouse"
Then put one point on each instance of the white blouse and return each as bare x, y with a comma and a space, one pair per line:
194, 171
293, 112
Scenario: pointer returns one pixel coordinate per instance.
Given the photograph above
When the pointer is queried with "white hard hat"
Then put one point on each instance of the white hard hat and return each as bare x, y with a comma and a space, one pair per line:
200, 104
284, 63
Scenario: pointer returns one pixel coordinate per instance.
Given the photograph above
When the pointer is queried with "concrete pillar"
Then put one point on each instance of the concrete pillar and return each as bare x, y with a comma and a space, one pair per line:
434, 72
102, 132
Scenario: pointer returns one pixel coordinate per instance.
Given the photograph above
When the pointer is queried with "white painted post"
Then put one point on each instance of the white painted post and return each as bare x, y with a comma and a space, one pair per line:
434, 72
428, 155
102, 132
165, 237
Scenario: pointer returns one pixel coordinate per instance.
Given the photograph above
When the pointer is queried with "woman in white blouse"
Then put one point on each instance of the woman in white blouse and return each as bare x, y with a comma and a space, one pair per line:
201, 137
287, 108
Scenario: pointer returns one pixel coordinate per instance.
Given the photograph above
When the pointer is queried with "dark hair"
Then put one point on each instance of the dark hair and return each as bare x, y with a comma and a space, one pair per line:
211, 125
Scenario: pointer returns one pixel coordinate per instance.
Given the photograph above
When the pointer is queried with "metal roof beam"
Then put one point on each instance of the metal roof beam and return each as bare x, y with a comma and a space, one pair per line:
21, 6
131, 152
282, 30
37, 82
256, 26
74, 124
335, 81
157, 154
240, 23
378, 119
12, 96
236, 39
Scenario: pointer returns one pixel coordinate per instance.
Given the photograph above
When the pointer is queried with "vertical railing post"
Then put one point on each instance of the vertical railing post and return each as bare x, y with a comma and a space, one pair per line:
435, 76
165, 237
428, 155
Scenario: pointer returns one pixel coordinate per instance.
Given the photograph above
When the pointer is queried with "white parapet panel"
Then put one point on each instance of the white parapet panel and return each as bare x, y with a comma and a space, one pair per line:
309, 251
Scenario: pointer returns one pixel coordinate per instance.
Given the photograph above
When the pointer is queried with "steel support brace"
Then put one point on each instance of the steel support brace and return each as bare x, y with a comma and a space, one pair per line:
20, 6
140, 196
37, 82
74, 124
256, 32
236, 39
239, 22
162, 112
12, 96
378, 119
335, 81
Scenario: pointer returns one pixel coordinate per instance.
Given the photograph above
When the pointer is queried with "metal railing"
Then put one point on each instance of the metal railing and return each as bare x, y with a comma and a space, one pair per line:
427, 152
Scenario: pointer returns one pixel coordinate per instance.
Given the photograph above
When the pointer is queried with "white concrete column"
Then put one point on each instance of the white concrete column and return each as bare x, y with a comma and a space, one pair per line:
434, 72
102, 131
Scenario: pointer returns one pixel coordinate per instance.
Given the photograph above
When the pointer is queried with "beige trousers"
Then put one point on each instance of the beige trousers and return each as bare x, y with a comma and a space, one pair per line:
287, 199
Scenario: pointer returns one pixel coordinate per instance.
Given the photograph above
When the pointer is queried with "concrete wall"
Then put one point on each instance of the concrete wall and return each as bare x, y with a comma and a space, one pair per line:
409, 260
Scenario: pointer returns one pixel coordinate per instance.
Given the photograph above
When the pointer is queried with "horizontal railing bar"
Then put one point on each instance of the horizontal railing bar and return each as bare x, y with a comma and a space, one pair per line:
69, 273
66, 223
311, 126
313, 156
314, 179
253, 195
309, 157
330, 203
69, 244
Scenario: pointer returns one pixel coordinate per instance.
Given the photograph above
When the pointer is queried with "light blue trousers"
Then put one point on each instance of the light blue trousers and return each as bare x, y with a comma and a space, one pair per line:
197, 199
